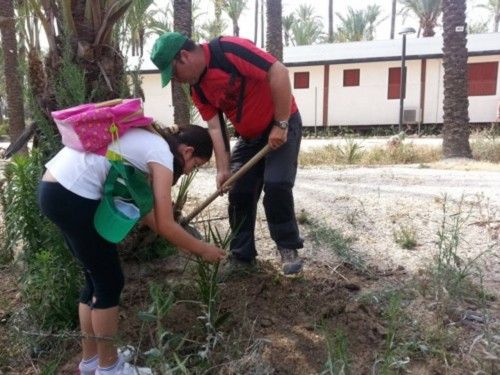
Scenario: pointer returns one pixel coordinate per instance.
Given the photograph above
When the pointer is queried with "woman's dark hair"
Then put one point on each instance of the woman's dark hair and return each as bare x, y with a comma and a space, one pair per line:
190, 135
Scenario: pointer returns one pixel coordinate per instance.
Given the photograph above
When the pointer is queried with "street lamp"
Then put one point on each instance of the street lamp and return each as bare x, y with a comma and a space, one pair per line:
402, 85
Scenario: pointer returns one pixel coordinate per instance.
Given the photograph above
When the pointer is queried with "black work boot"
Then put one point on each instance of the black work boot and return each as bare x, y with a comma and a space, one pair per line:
234, 268
292, 264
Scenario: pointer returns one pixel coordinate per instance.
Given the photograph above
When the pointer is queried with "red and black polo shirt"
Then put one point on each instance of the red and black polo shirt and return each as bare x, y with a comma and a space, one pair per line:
252, 63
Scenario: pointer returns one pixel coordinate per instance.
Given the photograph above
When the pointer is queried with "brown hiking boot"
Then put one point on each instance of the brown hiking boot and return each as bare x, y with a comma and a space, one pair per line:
292, 264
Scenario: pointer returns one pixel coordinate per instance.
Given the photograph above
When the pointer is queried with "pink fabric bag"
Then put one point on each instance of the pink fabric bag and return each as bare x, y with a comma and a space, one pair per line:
89, 127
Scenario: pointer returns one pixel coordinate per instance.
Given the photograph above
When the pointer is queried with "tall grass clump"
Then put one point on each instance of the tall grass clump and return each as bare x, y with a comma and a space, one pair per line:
486, 145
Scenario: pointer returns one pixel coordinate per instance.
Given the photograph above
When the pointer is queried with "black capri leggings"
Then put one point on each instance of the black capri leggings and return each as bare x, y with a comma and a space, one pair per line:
74, 215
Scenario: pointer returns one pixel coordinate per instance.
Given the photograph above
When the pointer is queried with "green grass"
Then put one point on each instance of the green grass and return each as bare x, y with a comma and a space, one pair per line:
337, 243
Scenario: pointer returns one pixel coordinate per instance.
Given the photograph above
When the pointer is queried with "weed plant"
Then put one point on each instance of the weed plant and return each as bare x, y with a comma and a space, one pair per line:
406, 236
338, 358
452, 274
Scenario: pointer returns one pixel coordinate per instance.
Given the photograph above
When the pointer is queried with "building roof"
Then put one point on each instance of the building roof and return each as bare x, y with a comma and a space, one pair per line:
384, 50
367, 51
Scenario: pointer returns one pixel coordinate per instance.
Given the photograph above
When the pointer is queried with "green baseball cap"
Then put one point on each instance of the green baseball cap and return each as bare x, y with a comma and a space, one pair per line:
164, 50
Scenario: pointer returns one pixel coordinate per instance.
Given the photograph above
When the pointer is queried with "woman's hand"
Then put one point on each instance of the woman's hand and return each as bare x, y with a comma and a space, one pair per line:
213, 254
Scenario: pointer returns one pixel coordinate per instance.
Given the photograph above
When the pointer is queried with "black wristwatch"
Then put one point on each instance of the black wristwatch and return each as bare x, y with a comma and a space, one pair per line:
283, 124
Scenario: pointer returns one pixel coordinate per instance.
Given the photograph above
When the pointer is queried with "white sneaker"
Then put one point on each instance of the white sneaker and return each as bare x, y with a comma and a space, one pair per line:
88, 367
124, 368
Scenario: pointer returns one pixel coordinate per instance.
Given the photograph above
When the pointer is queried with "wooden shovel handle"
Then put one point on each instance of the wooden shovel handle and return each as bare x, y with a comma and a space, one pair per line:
109, 103
244, 169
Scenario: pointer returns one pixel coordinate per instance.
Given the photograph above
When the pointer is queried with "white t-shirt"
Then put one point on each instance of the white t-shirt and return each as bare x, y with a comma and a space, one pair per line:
84, 173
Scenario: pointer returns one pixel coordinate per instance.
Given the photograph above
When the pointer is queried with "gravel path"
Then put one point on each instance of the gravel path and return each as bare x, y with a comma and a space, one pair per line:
372, 204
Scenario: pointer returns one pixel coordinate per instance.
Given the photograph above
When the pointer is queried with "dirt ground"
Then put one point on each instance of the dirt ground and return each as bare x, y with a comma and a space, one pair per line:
277, 324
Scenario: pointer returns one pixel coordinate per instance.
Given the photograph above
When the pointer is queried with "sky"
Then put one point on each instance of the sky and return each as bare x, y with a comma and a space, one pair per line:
339, 6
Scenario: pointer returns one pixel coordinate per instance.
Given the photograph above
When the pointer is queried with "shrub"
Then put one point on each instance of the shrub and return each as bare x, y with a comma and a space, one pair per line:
49, 282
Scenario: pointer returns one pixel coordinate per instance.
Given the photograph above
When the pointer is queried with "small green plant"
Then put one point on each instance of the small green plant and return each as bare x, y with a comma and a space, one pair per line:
406, 236
163, 356
338, 359
351, 151
208, 288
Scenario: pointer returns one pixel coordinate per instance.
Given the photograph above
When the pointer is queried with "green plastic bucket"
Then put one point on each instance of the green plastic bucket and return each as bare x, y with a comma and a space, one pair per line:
127, 197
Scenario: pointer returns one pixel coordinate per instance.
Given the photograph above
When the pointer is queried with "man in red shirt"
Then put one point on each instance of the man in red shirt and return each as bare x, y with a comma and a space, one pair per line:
230, 75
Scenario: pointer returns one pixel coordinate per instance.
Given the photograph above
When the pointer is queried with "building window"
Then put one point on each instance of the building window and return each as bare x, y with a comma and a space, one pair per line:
394, 85
301, 80
483, 78
351, 77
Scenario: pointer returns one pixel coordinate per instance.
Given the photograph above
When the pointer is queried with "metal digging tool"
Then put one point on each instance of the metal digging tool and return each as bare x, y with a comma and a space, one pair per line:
244, 169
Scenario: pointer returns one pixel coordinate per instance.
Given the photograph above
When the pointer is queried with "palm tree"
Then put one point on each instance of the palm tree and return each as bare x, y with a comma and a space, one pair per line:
372, 15
427, 11
136, 22
477, 27
393, 18
234, 8
14, 91
456, 102
330, 21
358, 24
217, 25
493, 6
182, 24
287, 23
308, 27
274, 39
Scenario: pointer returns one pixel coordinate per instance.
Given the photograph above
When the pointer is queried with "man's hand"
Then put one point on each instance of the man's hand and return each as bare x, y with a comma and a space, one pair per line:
277, 137
222, 177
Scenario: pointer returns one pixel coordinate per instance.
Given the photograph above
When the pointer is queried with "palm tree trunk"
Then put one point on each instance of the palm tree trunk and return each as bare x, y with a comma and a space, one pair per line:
497, 22
393, 18
274, 42
330, 21
182, 24
456, 102
15, 104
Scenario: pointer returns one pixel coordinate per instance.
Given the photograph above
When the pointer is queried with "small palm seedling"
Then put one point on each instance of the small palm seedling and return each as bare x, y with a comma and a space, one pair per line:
208, 289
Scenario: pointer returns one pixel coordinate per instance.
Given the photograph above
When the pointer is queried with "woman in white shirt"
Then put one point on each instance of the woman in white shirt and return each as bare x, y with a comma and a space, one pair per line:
69, 194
